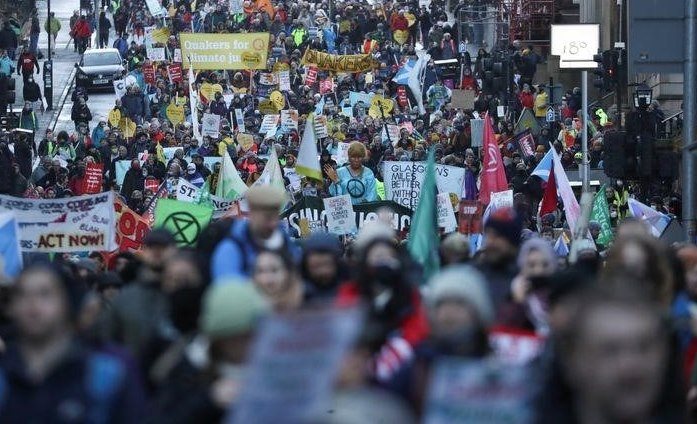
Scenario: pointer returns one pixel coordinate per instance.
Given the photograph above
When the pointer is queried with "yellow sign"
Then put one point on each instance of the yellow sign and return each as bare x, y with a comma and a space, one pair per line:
246, 141
225, 51
277, 99
128, 127
160, 35
175, 114
208, 90
266, 107
281, 66
401, 36
338, 63
380, 107
411, 19
114, 117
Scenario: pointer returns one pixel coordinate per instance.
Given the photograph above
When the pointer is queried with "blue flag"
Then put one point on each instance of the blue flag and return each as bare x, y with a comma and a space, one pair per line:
10, 254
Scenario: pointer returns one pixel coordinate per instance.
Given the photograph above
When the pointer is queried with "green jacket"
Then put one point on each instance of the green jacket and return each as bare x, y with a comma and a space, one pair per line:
52, 26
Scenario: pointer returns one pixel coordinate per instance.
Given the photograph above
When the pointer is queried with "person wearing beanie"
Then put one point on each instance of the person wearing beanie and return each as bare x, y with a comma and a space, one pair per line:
46, 367
454, 249
321, 267
207, 379
498, 262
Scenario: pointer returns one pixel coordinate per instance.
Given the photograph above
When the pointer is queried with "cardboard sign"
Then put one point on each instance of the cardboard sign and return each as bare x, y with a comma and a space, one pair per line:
131, 228
269, 123
470, 217
403, 181
284, 80
175, 73
340, 215
446, 215
149, 73
289, 119
463, 99
73, 224
294, 361
210, 125
94, 178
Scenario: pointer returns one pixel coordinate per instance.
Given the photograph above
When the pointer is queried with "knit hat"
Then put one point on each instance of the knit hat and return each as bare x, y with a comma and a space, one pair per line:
506, 223
462, 282
371, 233
231, 308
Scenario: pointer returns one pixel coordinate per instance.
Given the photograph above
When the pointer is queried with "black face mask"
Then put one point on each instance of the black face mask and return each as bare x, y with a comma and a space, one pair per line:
470, 342
185, 308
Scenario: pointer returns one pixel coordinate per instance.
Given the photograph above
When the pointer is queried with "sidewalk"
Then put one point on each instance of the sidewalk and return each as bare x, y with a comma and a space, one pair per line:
63, 64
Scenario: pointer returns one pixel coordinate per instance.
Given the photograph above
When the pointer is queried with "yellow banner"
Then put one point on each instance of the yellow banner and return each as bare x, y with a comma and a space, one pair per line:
338, 63
225, 51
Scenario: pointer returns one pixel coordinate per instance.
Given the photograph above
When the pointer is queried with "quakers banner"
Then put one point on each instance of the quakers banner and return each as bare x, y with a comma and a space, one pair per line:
225, 51
338, 63
187, 192
403, 181
131, 228
74, 224
312, 210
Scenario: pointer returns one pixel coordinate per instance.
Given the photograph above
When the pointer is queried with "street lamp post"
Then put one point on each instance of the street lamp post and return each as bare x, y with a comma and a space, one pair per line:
48, 63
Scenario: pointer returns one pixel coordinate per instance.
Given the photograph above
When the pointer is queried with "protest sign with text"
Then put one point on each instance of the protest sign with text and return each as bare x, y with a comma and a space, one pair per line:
403, 181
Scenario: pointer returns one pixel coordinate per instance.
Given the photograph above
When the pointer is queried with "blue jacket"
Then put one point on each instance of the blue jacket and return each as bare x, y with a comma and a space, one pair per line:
363, 191
97, 136
236, 254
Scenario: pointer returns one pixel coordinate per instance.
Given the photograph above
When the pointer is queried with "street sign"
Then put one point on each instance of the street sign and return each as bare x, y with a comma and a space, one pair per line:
551, 116
575, 45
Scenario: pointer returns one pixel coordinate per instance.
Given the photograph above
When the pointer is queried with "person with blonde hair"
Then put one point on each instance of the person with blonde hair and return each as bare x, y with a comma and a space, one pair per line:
356, 180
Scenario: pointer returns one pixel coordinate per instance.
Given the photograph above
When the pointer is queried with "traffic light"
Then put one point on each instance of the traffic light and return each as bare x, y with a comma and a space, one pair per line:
599, 72
607, 72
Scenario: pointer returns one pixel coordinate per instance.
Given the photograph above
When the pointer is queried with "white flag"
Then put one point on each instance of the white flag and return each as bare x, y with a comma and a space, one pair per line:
272, 175
230, 184
193, 101
308, 158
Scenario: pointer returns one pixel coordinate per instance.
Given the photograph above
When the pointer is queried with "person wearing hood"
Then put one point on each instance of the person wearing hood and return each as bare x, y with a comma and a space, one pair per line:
133, 180
194, 176
81, 113
98, 133
321, 267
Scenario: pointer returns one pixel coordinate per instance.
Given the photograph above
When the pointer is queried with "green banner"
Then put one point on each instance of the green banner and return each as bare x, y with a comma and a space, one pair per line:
601, 214
184, 220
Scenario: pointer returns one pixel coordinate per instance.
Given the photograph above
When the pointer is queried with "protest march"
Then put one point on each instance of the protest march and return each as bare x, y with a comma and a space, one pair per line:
334, 212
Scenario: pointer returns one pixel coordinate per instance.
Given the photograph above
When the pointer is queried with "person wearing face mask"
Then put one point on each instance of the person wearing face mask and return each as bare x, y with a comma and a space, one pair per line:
383, 284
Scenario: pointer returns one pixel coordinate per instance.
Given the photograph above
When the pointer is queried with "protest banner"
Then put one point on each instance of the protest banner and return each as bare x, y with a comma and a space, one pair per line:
284, 80
402, 98
175, 72
478, 392
187, 192
119, 89
338, 63
366, 98
269, 123
403, 181
131, 228
289, 119
340, 215
311, 208
326, 86
341, 156
310, 75
268, 78
224, 51
149, 73
94, 178
294, 361
177, 56
155, 8
73, 224
446, 215
477, 131
525, 143
210, 125
392, 132
470, 217
157, 54
184, 220
502, 199
239, 119
321, 130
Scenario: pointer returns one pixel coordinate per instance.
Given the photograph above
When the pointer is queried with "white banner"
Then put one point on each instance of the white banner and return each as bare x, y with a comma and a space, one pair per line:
74, 224
119, 88
156, 54
156, 9
269, 123
239, 118
341, 219
289, 119
403, 181
210, 125
187, 192
284, 80
321, 130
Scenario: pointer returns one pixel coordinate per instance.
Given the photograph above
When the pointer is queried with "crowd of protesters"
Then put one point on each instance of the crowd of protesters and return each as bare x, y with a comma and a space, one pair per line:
162, 334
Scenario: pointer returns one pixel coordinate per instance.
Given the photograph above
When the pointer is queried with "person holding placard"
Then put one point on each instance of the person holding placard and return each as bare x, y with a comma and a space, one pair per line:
355, 180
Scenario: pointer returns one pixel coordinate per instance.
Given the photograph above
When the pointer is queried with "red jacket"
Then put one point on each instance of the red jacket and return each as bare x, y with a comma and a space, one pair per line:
526, 99
82, 29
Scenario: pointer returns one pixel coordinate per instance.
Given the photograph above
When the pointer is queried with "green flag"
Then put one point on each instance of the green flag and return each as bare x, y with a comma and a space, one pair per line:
423, 236
184, 220
230, 184
601, 214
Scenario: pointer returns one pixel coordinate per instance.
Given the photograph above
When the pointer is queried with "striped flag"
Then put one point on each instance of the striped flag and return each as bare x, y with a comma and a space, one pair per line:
10, 253
657, 221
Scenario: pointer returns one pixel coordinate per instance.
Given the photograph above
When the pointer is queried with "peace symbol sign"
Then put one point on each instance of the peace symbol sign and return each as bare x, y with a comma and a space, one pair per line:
355, 188
184, 227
